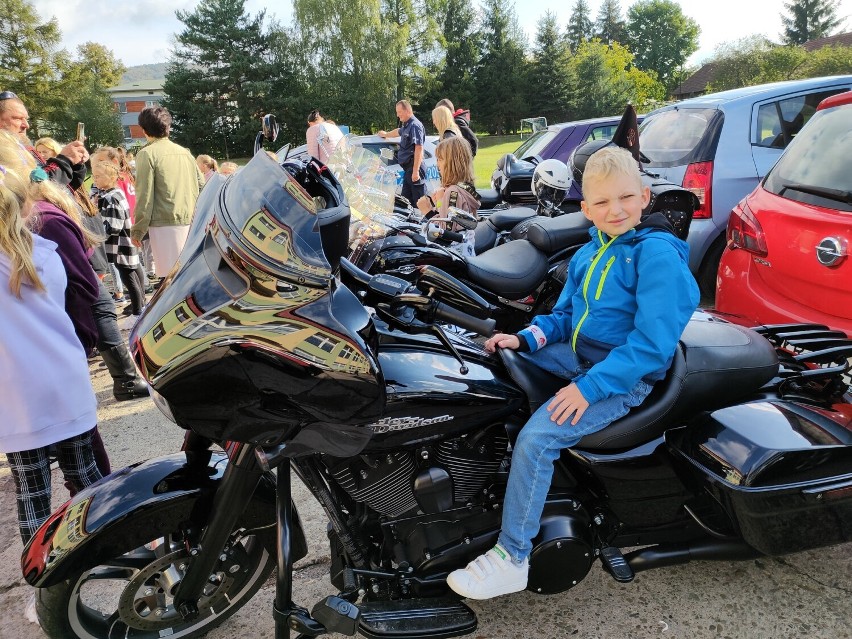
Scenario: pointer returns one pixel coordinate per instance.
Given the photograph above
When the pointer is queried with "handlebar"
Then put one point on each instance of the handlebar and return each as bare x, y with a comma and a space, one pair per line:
437, 233
452, 315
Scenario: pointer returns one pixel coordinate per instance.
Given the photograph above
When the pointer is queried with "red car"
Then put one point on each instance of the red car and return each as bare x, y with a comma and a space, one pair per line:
787, 253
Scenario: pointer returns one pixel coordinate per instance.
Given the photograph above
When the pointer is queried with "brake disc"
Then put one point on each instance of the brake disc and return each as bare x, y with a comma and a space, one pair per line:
147, 602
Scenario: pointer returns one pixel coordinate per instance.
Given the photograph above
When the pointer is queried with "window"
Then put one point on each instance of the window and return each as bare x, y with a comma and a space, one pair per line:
127, 134
669, 138
602, 132
536, 144
151, 103
320, 341
779, 122
122, 107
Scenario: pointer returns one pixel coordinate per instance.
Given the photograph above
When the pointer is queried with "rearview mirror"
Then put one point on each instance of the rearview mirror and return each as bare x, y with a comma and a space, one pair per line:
270, 127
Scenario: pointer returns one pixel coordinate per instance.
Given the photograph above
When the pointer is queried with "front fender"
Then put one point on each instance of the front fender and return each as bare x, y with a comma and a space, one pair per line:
135, 505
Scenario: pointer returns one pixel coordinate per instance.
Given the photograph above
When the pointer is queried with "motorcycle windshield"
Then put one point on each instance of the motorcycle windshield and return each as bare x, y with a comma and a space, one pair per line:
251, 328
370, 189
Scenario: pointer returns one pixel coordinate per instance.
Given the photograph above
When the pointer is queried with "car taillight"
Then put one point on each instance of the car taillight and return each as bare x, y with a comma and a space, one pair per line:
745, 232
699, 180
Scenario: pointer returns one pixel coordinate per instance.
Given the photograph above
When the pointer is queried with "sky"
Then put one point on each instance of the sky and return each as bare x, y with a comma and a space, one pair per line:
141, 31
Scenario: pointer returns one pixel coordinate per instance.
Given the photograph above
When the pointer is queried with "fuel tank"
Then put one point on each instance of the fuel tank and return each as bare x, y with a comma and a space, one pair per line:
400, 255
428, 397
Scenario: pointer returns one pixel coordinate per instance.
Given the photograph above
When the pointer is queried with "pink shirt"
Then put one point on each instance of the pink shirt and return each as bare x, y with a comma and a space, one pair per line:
322, 139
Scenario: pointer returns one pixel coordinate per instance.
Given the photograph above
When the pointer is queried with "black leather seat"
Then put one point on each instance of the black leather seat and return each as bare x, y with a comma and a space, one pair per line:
488, 198
551, 234
506, 219
715, 363
513, 270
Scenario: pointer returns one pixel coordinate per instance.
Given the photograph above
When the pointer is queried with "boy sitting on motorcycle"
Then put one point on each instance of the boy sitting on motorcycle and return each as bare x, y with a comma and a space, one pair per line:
612, 333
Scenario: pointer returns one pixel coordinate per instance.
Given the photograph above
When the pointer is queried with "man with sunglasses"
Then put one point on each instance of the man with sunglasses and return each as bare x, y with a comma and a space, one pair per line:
66, 168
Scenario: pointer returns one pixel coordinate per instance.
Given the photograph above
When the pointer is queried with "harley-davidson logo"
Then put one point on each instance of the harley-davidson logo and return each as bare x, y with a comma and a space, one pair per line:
391, 424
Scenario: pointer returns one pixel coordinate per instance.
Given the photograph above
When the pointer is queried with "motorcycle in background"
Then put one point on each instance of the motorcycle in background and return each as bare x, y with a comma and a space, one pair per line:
264, 339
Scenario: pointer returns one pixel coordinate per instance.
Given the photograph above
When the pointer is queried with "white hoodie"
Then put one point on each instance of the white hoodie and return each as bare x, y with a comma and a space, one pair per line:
46, 394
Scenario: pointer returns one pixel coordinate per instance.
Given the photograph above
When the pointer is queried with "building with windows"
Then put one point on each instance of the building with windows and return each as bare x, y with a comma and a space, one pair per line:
129, 100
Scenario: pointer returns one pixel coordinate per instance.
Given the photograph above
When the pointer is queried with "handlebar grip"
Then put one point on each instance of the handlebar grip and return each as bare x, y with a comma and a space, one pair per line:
452, 236
452, 315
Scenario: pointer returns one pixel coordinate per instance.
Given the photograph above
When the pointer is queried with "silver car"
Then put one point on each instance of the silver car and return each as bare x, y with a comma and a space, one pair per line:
721, 145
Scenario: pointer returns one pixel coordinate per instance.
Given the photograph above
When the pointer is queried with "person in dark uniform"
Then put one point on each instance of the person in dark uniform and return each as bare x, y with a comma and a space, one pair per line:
411, 137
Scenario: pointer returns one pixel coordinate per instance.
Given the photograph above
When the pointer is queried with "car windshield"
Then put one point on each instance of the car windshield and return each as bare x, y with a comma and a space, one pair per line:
817, 160
669, 138
535, 144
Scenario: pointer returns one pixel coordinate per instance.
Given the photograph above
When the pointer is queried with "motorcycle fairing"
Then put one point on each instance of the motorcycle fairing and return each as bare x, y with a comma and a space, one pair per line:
108, 518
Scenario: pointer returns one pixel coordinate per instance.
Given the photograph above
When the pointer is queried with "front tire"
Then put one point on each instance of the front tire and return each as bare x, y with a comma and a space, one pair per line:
132, 595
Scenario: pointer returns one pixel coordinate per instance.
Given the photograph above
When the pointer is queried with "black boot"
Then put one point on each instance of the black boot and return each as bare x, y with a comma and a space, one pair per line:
126, 383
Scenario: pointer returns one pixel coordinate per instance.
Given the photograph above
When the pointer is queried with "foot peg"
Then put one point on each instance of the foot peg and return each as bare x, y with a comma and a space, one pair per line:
421, 618
337, 615
616, 565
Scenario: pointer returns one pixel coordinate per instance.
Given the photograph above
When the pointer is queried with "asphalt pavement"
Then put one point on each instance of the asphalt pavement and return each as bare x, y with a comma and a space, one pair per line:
803, 595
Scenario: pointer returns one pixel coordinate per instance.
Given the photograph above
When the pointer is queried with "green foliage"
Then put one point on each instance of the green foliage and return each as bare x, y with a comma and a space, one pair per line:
551, 57
92, 105
609, 25
808, 20
502, 72
604, 81
218, 81
661, 37
580, 27
827, 61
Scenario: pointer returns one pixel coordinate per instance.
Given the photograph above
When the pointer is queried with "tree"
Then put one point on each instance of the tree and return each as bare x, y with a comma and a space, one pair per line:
603, 81
809, 20
413, 32
95, 62
548, 75
501, 75
217, 82
737, 63
462, 45
661, 37
92, 105
352, 56
580, 26
609, 25
826, 61
28, 61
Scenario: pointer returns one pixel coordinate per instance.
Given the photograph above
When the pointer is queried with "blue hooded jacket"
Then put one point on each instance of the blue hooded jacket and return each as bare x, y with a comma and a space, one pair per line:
623, 308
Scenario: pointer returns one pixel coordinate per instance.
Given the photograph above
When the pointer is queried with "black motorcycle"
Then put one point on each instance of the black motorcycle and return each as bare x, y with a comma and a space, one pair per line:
263, 340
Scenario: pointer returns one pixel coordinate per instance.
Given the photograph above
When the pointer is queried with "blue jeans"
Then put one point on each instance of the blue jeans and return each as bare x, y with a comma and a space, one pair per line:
541, 441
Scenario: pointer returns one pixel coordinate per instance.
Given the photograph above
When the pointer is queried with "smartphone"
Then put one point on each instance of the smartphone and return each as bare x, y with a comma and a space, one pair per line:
81, 131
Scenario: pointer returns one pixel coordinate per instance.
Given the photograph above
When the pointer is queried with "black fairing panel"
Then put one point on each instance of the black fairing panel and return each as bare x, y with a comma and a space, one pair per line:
429, 398
123, 510
782, 470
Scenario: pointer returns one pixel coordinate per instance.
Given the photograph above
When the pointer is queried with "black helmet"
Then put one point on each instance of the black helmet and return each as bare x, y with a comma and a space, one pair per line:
581, 154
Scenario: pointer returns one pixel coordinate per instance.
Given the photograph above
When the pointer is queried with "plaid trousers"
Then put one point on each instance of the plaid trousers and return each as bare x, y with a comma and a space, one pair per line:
31, 473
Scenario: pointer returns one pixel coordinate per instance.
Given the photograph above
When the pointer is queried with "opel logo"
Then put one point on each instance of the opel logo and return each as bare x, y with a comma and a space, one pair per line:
831, 251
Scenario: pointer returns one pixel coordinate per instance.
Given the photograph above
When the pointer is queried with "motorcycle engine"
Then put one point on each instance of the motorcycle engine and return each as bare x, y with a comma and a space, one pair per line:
426, 479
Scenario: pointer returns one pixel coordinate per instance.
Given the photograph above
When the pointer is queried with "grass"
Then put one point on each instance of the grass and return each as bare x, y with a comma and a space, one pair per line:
491, 149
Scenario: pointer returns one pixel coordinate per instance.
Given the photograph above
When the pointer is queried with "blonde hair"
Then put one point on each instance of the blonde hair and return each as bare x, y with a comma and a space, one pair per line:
14, 156
208, 162
455, 154
118, 157
50, 143
16, 241
226, 168
611, 160
108, 168
443, 119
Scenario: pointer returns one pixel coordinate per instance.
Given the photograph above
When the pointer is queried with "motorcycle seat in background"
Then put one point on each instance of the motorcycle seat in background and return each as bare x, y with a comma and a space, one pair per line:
715, 364
488, 198
512, 270
551, 234
507, 219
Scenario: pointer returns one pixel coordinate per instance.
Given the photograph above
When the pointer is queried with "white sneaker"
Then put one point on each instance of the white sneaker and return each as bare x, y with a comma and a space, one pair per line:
490, 575
30, 610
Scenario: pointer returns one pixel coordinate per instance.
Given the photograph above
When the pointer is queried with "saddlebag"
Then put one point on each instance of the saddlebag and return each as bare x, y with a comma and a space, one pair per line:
781, 469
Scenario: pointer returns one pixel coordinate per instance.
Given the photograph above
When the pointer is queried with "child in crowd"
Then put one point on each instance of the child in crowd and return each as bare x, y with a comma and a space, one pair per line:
114, 209
207, 165
228, 168
455, 164
612, 334
47, 396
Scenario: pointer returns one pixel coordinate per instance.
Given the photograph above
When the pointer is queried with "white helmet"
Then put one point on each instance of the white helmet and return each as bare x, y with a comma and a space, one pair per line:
551, 182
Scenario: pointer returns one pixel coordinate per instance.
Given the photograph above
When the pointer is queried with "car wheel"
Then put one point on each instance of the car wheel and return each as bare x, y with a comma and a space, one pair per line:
709, 268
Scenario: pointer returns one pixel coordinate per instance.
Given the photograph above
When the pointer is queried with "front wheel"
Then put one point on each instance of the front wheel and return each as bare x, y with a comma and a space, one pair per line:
132, 595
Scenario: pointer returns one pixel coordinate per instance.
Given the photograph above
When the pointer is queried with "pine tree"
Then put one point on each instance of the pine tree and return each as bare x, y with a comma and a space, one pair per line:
217, 81
463, 47
580, 27
808, 20
501, 75
548, 77
609, 25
